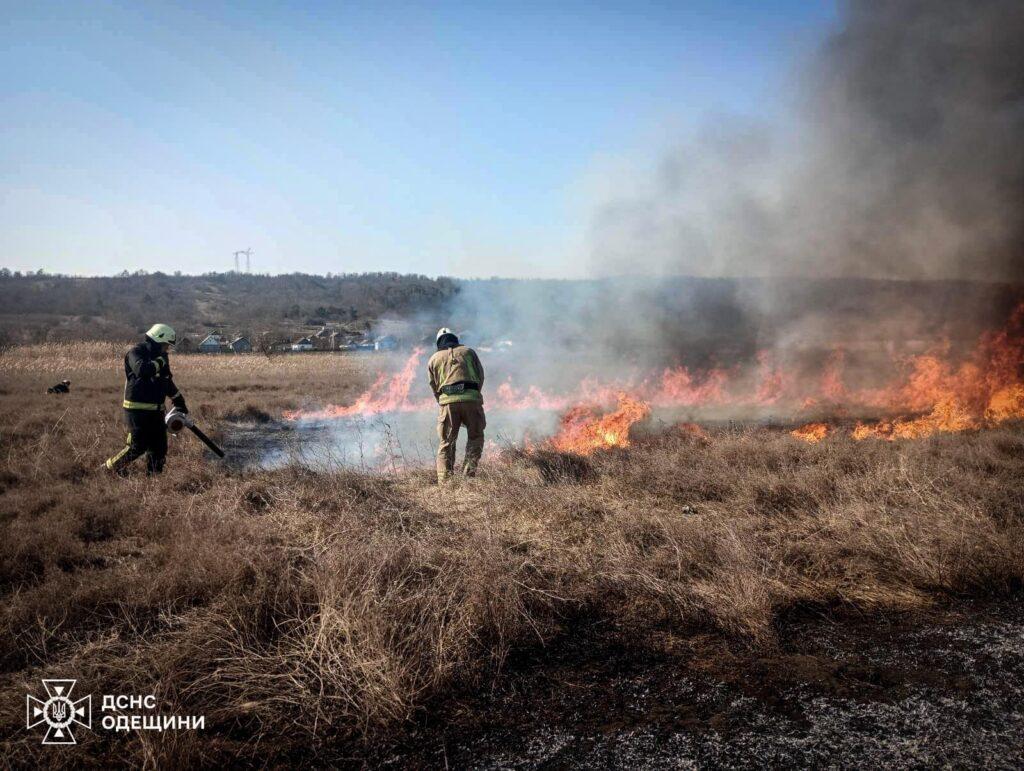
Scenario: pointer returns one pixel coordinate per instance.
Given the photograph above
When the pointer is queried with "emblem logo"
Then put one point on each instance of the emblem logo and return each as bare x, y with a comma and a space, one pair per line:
58, 711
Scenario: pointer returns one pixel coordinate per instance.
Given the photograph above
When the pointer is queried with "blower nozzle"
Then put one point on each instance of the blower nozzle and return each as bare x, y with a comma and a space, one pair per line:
177, 420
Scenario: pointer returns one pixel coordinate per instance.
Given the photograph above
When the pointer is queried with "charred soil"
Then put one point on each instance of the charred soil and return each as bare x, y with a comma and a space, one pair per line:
842, 689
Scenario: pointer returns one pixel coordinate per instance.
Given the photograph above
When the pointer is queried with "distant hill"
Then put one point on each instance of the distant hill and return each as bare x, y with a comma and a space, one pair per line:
38, 307
696, 321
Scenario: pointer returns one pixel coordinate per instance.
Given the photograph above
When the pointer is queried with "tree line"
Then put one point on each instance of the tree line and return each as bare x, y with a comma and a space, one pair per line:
42, 307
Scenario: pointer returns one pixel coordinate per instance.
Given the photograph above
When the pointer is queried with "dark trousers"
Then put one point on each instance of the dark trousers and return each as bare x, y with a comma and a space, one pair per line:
147, 433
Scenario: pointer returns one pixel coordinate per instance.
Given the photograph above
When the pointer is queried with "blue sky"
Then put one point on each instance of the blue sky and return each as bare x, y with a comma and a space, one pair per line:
440, 138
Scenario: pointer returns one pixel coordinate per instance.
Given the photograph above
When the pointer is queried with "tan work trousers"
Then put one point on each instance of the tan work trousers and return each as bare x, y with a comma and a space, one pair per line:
449, 420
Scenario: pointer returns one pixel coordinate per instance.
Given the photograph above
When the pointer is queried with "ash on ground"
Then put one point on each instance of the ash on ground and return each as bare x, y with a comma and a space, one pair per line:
873, 692
385, 442
398, 441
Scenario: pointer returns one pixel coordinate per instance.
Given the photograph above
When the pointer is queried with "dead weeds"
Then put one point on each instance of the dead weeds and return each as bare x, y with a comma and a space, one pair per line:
298, 610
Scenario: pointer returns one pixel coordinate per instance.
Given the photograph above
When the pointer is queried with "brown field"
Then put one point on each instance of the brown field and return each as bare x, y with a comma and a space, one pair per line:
318, 616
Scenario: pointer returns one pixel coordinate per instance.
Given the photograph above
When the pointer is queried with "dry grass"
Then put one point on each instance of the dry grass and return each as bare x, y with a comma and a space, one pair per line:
304, 612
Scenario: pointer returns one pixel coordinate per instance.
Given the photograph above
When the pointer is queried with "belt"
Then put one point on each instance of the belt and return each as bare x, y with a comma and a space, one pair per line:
458, 388
129, 405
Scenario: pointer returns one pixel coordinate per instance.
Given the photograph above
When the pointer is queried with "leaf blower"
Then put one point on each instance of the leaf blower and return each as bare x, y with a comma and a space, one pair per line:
177, 420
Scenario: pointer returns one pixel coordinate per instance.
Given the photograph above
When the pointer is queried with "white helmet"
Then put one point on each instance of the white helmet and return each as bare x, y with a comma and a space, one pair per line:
442, 332
161, 333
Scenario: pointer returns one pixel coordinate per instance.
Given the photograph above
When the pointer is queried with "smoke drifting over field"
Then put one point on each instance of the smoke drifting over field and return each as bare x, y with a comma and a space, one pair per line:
883, 223
904, 160
865, 264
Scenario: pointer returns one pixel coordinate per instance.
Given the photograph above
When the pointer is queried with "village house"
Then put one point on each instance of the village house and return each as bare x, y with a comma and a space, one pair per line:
211, 344
323, 340
241, 345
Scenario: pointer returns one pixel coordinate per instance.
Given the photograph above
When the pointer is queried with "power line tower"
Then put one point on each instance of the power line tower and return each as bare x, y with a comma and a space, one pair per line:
248, 257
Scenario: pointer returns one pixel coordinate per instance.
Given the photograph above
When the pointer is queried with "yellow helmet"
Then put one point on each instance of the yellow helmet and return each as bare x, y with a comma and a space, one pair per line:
161, 333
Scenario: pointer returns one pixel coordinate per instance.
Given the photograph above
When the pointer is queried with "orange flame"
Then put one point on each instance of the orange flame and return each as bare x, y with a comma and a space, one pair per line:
985, 390
773, 382
1006, 404
679, 388
387, 394
812, 432
583, 431
935, 392
949, 415
832, 387
692, 430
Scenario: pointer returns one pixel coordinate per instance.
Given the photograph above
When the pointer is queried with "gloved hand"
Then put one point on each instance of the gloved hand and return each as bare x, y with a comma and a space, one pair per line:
179, 404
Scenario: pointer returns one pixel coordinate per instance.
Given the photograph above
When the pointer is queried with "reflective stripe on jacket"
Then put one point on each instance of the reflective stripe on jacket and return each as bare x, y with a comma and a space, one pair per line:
451, 366
128, 405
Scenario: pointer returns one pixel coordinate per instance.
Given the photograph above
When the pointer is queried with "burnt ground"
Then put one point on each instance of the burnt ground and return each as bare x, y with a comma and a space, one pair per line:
941, 689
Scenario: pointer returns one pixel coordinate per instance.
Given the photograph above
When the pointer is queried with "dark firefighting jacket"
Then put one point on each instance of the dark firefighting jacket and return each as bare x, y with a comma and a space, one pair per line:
147, 378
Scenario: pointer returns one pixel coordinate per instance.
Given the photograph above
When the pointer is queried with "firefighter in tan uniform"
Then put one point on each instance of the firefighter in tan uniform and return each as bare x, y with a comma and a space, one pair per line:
456, 377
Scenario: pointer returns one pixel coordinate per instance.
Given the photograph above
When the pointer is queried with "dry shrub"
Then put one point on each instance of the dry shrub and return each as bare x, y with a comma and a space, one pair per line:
780, 498
554, 466
248, 413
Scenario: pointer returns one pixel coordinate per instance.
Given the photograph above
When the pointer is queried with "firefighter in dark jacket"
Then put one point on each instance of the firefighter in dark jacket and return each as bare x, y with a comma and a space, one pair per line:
148, 382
